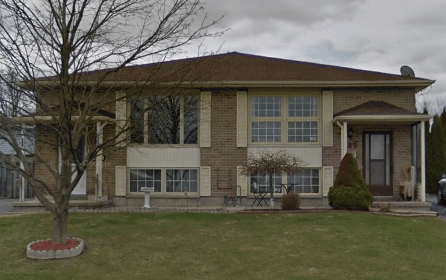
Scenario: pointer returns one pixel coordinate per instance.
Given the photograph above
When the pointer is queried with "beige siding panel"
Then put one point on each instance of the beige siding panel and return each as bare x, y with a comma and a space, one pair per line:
312, 156
205, 181
242, 182
242, 119
205, 119
120, 180
163, 157
327, 179
121, 117
327, 117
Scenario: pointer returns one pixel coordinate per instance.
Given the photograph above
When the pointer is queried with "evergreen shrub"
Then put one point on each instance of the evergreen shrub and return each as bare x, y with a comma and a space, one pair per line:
350, 191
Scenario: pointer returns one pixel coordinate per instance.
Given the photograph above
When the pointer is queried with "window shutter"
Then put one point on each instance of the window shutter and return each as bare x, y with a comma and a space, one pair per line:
327, 117
205, 119
327, 181
242, 181
121, 117
242, 119
120, 180
205, 181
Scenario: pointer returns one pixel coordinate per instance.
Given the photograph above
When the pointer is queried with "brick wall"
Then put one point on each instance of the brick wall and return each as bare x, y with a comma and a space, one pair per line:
223, 156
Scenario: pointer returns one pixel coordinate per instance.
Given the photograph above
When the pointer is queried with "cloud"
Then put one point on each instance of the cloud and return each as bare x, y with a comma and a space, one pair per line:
377, 35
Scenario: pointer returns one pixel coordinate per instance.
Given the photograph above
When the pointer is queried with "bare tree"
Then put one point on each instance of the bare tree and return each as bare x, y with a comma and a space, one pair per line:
56, 48
268, 163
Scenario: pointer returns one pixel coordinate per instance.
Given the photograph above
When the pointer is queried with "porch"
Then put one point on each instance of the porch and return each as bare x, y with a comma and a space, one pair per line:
389, 144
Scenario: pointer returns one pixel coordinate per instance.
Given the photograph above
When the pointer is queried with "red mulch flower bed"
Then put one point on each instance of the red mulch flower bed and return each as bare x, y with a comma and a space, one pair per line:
48, 245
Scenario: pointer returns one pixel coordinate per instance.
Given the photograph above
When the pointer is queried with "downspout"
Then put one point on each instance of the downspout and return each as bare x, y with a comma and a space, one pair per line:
343, 127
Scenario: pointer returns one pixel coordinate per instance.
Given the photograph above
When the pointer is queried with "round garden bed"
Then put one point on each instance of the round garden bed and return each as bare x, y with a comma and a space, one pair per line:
46, 250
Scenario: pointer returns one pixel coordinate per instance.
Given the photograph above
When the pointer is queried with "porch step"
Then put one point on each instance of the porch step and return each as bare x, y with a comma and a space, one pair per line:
401, 205
383, 198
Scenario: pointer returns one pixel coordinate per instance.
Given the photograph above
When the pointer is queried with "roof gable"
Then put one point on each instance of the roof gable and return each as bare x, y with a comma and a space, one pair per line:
376, 108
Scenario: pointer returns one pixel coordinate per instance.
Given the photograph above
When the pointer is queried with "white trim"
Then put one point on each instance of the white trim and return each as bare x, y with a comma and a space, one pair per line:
242, 119
423, 164
205, 119
327, 117
403, 119
327, 179
205, 181
120, 180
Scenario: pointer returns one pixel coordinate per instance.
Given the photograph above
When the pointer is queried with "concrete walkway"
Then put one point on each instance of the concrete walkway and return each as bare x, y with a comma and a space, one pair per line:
6, 205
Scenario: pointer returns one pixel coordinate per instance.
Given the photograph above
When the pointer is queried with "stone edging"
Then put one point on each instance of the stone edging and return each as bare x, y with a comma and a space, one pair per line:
51, 254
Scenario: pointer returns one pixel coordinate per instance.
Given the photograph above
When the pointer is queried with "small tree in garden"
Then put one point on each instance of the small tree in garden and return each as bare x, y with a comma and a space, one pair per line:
350, 190
268, 162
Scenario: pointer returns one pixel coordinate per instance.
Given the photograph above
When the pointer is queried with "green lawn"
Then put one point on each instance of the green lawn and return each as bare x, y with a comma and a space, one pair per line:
333, 245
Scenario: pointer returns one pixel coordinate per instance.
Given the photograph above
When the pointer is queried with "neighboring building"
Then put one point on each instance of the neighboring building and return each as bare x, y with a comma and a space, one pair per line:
10, 180
237, 104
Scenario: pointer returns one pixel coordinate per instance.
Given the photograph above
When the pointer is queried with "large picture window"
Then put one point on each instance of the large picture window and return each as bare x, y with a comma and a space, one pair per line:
304, 181
295, 121
169, 120
164, 180
260, 183
145, 178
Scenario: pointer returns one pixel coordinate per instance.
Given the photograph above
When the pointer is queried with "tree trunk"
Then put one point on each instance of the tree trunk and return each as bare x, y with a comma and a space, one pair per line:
60, 223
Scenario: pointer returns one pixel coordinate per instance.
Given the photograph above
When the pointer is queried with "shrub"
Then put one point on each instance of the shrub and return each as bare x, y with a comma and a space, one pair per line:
291, 201
350, 198
350, 191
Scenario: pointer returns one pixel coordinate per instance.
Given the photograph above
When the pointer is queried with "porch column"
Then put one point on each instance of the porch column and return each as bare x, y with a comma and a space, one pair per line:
423, 164
343, 140
99, 159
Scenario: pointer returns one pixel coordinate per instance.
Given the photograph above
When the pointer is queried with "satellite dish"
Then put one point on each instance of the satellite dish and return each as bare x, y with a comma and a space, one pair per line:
406, 71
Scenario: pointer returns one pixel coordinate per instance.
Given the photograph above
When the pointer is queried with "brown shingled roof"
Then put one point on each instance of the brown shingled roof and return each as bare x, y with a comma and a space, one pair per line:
375, 108
245, 68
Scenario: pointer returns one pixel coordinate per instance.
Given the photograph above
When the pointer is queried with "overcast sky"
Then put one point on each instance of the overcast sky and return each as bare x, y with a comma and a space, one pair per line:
377, 35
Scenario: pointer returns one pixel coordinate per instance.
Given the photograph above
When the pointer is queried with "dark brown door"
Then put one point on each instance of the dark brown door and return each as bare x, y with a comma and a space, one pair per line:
378, 162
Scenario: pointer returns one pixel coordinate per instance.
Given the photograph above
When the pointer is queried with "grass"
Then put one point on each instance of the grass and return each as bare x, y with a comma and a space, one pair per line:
333, 245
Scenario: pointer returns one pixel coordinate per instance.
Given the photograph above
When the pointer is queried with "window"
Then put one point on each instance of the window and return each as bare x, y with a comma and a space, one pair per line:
300, 117
140, 178
301, 109
266, 115
304, 180
164, 180
263, 183
137, 120
181, 180
170, 120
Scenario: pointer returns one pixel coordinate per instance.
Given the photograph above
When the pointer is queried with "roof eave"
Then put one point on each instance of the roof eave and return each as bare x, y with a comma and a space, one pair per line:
382, 119
419, 84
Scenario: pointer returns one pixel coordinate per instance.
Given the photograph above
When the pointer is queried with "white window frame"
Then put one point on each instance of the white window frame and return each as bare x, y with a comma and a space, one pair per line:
285, 119
181, 140
163, 192
285, 182
311, 184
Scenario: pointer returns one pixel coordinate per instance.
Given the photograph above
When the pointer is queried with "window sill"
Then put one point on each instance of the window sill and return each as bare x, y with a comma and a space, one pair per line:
145, 145
164, 195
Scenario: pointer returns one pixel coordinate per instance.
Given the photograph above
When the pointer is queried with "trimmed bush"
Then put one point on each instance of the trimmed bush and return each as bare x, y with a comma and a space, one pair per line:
291, 201
350, 191
350, 198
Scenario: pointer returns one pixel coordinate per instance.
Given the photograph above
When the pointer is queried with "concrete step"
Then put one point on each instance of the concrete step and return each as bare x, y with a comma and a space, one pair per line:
402, 205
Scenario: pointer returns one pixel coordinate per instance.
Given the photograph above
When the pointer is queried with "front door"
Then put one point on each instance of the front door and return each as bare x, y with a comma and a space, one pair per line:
378, 162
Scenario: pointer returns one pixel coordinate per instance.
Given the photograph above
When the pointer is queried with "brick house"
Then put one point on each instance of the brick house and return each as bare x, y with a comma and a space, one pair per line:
235, 104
